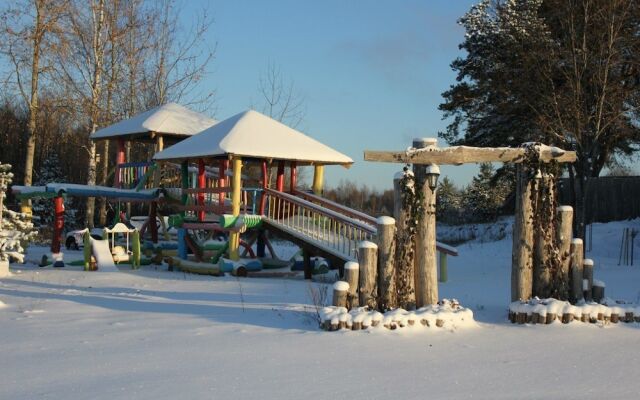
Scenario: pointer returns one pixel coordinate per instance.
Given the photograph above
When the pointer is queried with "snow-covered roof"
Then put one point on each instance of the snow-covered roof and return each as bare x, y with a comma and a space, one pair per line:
252, 134
169, 119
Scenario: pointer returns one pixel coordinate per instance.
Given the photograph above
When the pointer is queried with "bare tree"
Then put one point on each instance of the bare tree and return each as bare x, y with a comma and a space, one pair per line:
280, 99
27, 32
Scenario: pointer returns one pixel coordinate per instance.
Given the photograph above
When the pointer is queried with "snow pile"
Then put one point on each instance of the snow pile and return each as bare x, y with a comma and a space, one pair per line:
446, 314
546, 311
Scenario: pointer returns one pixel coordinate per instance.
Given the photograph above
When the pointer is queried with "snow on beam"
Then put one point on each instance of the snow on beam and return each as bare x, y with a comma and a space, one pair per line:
464, 154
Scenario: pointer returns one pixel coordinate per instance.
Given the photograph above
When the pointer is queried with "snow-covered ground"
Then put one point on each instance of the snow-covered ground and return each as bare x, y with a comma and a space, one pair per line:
152, 334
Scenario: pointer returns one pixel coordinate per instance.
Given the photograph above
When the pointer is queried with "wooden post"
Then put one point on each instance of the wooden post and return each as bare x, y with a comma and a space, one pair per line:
58, 223
265, 184
576, 270
564, 230
368, 260
543, 240
351, 272
598, 291
234, 237
426, 273
280, 177
340, 292
522, 254
587, 277
406, 293
386, 262
184, 174
159, 147
201, 185
293, 181
222, 182
318, 179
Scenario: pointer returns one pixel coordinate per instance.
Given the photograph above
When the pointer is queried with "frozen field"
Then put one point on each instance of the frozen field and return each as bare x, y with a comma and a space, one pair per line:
152, 334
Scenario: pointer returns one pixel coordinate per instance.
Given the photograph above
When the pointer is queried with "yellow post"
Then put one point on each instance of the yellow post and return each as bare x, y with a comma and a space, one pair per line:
318, 179
234, 237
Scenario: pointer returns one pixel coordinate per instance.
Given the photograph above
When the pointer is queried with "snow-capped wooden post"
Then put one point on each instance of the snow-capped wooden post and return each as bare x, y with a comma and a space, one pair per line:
351, 272
368, 261
386, 262
318, 179
576, 270
426, 274
522, 251
340, 293
565, 234
58, 223
587, 278
234, 236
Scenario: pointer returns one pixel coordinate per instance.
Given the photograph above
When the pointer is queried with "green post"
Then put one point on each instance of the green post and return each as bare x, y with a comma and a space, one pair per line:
184, 169
443, 267
135, 248
86, 238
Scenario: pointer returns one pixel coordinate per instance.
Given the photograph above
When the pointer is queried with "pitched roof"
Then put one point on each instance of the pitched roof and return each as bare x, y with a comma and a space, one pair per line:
255, 135
169, 119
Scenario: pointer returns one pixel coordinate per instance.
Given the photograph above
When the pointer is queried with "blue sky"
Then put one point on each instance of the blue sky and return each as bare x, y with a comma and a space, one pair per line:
371, 73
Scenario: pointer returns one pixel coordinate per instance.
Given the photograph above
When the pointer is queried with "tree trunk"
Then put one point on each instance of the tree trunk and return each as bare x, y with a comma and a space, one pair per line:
522, 254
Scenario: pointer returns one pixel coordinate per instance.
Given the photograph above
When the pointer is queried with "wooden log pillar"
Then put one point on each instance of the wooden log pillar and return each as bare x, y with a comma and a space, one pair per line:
293, 179
202, 183
543, 239
340, 293
426, 272
386, 263
234, 237
58, 224
280, 177
120, 159
222, 181
407, 295
368, 261
318, 179
577, 265
522, 254
587, 278
351, 273
564, 231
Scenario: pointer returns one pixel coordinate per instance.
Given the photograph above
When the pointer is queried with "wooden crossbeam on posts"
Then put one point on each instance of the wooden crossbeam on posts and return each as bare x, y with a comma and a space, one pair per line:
458, 155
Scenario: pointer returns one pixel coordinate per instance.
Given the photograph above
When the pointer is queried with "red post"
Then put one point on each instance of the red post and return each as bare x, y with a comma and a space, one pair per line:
293, 182
58, 224
201, 185
222, 182
120, 159
280, 177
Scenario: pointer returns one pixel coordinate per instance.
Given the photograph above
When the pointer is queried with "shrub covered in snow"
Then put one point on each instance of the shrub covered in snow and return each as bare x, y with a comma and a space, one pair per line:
16, 228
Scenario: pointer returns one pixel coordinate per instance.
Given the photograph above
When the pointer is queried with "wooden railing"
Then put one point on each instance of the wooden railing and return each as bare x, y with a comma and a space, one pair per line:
130, 175
208, 200
326, 228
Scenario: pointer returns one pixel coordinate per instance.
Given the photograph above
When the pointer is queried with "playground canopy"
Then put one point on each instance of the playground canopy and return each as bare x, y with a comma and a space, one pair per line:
171, 119
254, 135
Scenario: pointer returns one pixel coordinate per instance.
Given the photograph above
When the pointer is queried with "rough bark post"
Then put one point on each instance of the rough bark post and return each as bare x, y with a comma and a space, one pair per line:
522, 254
576, 270
564, 231
340, 293
368, 260
386, 262
351, 272
405, 256
426, 274
587, 277
543, 240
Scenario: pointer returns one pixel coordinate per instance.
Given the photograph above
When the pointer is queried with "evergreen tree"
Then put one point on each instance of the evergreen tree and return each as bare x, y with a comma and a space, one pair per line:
43, 211
15, 228
485, 196
448, 200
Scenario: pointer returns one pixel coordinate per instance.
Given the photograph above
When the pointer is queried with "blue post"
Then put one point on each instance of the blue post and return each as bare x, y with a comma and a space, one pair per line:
182, 243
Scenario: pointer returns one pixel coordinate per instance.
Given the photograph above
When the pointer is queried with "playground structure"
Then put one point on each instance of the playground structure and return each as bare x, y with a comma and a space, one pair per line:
199, 175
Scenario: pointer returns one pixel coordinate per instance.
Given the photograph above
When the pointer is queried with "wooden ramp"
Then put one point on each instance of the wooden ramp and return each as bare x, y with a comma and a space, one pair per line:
322, 226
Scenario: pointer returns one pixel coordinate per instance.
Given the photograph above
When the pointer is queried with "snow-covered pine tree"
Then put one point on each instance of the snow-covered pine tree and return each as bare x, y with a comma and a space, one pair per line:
448, 202
16, 230
484, 197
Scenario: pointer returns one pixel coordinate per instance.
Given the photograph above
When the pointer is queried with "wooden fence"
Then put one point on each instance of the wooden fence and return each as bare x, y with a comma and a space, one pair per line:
610, 198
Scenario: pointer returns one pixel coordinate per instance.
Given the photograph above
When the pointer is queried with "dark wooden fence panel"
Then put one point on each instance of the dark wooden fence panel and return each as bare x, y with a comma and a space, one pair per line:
610, 198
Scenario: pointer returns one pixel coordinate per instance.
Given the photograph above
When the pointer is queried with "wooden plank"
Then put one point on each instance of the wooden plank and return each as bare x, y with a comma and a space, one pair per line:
225, 189
465, 154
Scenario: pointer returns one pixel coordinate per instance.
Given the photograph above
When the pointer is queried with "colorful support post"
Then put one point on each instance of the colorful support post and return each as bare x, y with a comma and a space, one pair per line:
280, 177
293, 182
318, 179
234, 237
135, 249
201, 185
58, 224
184, 171
182, 243
120, 159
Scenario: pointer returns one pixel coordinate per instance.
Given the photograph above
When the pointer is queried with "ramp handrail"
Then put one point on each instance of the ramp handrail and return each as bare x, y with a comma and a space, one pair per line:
327, 228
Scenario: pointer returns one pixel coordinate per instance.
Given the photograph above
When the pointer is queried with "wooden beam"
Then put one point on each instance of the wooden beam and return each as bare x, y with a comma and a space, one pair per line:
464, 154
